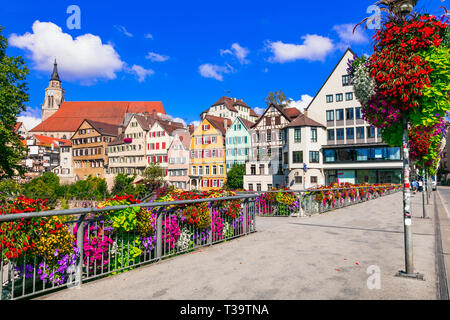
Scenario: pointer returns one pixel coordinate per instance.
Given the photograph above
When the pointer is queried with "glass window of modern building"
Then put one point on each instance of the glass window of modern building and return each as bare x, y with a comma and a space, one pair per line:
349, 113
345, 80
339, 97
330, 134
329, 98
370, 132
358, 113
359, 132
339, 114
362, 154
340, 134
330, 115
348, 96
350, 133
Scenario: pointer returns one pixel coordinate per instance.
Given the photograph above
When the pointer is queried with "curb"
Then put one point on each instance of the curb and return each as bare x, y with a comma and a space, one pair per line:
442, 258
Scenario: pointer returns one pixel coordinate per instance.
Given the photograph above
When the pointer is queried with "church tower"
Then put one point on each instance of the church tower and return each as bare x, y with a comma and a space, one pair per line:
54, 95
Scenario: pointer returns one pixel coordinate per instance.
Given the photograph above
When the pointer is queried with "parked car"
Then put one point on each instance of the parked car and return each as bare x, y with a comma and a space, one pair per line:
433, 183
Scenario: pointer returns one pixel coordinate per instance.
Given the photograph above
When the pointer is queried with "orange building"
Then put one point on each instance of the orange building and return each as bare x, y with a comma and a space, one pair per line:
89, 148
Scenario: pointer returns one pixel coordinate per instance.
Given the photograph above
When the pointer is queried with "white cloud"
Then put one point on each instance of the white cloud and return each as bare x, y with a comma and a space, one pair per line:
30, 118
148, 36
345, 33
155, 57
214, 71
175, 119
84, 58
314, 48
140, 72
259, 111
123, 30
302, 103
239, 52
195, 123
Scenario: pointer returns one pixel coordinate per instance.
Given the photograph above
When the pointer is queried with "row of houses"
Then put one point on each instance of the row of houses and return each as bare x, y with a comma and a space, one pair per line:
328, 142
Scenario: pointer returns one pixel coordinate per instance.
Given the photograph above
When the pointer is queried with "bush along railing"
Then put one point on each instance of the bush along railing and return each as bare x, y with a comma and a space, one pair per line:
46, 250
284, 202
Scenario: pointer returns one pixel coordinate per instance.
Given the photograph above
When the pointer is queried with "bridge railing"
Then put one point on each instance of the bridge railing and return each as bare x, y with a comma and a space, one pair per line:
308, 202
83, 244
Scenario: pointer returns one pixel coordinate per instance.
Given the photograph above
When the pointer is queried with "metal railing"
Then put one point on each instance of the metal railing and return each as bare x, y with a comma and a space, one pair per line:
308, 202
100, 248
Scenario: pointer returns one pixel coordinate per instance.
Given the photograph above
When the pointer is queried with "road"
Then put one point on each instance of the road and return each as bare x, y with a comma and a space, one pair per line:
325, 256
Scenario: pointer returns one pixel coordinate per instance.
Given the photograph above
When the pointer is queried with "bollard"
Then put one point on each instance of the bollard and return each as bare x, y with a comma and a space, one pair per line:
80, 261
159, 235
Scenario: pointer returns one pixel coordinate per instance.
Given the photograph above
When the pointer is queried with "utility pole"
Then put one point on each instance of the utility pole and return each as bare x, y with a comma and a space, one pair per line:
423, 191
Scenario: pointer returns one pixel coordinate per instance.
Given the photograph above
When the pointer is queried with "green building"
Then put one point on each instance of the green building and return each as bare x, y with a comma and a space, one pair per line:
238, 142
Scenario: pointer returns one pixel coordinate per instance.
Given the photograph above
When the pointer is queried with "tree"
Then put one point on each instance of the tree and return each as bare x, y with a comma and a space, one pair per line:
13, 95
278, 98
235, 177
153, 176
45, 186
123, 184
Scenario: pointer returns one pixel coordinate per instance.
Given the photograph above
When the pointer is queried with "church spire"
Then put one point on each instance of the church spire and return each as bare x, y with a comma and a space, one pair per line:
55, 75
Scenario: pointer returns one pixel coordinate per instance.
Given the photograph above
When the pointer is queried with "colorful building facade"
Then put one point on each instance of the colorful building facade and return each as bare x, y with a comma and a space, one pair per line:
238, 142
207, 163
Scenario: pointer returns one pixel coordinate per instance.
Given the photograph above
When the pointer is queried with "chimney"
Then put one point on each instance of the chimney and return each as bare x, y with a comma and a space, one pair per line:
305, 112
225, 123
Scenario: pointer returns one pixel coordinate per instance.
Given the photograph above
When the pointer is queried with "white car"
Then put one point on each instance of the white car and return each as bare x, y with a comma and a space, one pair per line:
433, 183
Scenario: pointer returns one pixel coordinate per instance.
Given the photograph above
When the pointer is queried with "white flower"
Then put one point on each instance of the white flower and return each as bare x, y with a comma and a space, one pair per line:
364, 84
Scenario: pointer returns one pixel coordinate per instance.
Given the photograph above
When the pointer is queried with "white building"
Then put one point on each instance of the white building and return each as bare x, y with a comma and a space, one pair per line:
302, 153
264, 169
354, 151
231, 108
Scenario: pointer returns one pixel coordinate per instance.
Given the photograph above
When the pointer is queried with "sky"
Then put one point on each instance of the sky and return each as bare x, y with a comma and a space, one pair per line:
187, 54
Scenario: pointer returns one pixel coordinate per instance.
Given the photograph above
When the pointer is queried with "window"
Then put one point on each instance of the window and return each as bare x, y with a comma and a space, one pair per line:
277, 120
258, 187
313, 179
345, 80
297, 156
340, 134
269, 134
200, 170
339, 114
348, 96
359, 132
330, 115
205, 127
268, 121
298, 179
261, 169
253, 169
329, 98
314, 156
362, 154
313, 134
297, 135
358, 113
370, 132
250, 186
339, 97
329, 155
330, 134
379, 134
349, 113
285, 157
350, 133
214, 170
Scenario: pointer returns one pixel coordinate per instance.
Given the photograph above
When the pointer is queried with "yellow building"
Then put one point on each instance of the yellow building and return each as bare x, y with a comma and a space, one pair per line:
207, 164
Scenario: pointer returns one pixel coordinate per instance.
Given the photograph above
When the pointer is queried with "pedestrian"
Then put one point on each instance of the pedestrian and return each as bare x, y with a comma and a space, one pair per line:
414, 186
420, 186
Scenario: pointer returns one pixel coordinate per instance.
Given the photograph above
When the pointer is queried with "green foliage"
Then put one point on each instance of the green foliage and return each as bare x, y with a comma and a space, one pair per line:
123, 184
277, 97
45, 186
9, 188
13, 95
235, 177
123, 220
89, 189
153, 176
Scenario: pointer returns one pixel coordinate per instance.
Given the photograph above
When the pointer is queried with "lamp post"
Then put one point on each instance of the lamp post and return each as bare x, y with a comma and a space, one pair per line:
402, 8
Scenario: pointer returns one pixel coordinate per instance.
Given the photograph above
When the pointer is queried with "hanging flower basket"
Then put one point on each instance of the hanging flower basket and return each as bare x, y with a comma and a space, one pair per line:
127, 140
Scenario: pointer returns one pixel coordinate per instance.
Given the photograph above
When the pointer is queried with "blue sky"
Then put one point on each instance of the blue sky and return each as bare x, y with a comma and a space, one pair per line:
186, 54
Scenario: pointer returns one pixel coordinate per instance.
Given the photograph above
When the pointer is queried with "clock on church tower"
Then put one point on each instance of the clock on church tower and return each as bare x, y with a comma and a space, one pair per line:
54, 95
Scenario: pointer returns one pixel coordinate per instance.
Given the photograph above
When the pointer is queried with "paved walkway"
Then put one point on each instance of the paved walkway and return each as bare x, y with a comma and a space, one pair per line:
321, 257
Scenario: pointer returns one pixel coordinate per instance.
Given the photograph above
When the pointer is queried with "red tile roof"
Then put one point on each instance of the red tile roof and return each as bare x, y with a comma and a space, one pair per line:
104, 128
219, 123
292, 112
230, 103
247, 123
55, 141
17, 126
304, 121
70, 114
